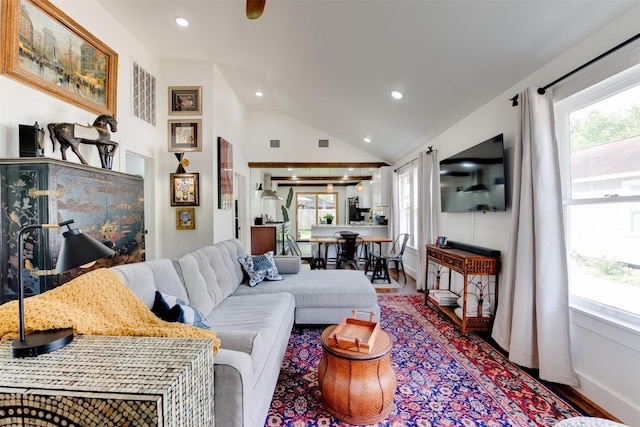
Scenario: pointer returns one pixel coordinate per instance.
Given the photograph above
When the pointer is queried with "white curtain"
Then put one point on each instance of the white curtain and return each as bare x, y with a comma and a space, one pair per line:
532, 318
394, 224
429, 209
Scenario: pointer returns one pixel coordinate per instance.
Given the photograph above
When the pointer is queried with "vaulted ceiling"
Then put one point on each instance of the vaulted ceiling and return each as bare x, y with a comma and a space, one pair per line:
332, 63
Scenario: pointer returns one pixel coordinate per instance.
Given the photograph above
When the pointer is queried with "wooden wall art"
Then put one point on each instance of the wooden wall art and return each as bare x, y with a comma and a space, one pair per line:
225, 174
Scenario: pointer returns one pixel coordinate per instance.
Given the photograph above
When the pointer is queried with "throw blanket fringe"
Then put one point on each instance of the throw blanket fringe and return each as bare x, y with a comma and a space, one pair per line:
96, 303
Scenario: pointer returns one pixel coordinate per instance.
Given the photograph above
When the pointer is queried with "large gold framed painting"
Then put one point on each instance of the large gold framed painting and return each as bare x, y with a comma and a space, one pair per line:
44, 48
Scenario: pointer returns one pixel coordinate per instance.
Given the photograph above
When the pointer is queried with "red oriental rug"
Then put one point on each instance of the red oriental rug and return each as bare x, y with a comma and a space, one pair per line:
444, 378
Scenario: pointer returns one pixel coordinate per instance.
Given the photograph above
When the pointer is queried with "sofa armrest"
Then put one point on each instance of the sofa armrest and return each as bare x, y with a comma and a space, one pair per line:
287, 264
233, 379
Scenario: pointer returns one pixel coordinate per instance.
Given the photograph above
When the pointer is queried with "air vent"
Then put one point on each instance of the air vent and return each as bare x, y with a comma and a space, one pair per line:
323, 143
274, 143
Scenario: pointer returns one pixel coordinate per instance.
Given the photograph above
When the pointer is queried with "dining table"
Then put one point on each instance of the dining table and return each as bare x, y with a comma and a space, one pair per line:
325, 241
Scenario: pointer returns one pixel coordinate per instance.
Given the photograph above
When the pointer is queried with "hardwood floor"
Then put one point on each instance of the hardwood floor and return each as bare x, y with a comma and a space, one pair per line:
572, 396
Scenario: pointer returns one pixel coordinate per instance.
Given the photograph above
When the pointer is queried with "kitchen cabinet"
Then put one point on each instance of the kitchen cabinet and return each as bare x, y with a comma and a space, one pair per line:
270, 237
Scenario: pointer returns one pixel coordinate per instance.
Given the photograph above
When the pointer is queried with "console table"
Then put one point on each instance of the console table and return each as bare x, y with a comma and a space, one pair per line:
468, 264
110, 381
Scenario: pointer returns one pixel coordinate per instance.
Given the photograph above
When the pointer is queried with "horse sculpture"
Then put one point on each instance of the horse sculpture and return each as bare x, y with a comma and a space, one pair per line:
71, 135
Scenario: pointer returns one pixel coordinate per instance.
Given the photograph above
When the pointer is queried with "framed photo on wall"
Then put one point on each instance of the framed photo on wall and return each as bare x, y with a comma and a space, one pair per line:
185, 189
184, 135
185, 100
225, 174
47, 50
185, 219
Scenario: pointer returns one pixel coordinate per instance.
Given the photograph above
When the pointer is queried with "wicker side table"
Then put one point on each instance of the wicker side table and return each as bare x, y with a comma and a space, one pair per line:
357, 388
107, 381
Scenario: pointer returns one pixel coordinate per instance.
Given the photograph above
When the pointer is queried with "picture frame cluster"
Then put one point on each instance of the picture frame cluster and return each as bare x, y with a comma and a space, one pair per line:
184, 135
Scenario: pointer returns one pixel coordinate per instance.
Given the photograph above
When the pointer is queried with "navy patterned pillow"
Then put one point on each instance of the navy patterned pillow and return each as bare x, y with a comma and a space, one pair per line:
260, 267
173, 309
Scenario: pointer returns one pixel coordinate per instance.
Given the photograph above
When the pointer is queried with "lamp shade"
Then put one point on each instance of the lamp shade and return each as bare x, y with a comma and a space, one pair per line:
329, 187
79, 249
360, 187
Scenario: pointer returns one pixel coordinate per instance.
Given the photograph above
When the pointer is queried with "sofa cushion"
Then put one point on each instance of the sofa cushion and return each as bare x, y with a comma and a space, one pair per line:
288, 264
321, 288
144, 278
231, 250
210, 275
237, 318
173, 309
260, 267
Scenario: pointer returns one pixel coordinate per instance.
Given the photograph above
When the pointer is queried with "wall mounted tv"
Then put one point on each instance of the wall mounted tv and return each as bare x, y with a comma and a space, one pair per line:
473, 180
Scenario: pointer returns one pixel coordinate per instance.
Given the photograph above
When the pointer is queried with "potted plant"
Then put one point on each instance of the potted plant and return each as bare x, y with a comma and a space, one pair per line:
328, 218
287, 205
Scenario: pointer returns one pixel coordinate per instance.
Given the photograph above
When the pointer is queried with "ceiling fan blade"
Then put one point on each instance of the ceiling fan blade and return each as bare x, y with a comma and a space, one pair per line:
255, 8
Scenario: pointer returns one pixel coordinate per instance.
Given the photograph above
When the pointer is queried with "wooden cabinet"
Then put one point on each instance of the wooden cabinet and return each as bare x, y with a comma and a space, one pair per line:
270, 237
104, 204
480, 277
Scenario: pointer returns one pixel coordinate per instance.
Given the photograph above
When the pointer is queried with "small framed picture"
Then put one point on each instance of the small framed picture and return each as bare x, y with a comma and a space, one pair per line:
184, 135
185, 189
185, 100
441, 241
185, 219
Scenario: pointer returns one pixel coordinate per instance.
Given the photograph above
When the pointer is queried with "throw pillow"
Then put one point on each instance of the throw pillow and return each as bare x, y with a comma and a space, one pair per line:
260, 267
173, 309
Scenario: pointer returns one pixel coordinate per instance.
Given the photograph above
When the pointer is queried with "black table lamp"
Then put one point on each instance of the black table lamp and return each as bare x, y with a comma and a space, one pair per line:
77, 250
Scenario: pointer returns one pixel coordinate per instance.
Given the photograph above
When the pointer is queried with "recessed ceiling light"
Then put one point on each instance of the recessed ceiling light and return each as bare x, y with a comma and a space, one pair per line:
396, 94
367, 140
259, 94
182, 22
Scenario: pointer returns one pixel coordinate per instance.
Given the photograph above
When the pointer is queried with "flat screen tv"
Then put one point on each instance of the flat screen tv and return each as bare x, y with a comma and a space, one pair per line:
473, 180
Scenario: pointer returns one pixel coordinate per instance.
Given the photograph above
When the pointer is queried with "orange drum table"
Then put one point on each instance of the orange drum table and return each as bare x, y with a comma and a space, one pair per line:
357, 387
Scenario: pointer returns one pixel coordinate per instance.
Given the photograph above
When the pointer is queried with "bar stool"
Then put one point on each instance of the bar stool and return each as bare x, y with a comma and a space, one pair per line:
380, 271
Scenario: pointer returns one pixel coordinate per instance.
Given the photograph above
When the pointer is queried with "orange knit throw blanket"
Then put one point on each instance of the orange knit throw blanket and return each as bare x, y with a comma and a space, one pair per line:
96, 303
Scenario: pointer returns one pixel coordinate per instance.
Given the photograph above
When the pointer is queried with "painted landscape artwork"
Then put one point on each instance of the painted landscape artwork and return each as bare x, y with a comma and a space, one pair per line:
49, 51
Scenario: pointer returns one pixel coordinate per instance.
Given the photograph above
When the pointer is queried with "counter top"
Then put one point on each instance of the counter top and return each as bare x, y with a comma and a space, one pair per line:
343, 226
271, 224
366, 229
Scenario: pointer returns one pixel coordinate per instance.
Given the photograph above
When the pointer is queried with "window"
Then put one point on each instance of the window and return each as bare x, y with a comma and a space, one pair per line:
599, 138
311, 209
407, 202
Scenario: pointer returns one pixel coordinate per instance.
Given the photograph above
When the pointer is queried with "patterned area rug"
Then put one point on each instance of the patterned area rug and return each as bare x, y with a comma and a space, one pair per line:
444, 379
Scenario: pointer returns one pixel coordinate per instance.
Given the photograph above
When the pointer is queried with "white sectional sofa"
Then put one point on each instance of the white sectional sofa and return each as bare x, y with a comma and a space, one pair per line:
253, 323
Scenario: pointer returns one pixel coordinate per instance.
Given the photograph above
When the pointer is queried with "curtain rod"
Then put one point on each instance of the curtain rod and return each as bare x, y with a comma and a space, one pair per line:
410, 161
429, 151
542, 90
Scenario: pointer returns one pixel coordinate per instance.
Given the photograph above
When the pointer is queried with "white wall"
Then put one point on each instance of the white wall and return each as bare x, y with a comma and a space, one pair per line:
606, 354
223, 115
298, 142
